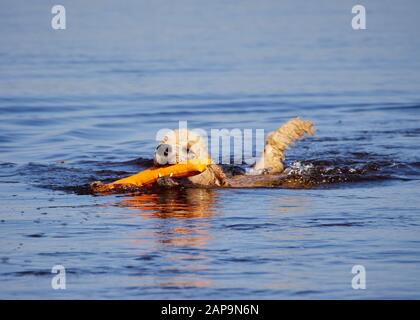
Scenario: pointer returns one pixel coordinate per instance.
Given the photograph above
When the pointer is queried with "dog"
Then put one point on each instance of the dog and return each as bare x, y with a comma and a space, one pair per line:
182, 145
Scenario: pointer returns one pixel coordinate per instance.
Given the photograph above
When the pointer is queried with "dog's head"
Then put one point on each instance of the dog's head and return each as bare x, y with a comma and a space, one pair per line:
180, 146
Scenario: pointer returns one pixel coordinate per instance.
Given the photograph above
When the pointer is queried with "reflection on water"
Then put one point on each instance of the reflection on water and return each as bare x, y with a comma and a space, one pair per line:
180, 226
182, 229
189, 204
175, 203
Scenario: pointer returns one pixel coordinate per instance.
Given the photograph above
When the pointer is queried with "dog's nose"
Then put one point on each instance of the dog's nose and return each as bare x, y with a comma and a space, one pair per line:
163, 150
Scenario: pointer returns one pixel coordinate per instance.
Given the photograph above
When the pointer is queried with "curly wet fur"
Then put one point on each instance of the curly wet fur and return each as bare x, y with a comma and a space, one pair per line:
278, 141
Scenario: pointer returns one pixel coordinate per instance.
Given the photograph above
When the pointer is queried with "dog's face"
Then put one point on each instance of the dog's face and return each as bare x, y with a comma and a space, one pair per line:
179, 146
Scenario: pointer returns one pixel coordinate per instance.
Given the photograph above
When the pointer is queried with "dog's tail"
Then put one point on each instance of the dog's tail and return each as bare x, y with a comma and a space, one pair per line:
278, 141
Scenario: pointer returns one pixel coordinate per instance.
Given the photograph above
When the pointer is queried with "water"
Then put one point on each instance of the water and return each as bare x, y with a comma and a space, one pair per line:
83, 104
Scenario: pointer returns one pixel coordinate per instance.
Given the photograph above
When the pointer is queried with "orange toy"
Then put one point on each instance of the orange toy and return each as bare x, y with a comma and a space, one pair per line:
149, 176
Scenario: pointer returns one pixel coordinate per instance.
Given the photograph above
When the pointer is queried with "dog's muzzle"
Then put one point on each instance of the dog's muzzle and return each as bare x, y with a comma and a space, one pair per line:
164, 155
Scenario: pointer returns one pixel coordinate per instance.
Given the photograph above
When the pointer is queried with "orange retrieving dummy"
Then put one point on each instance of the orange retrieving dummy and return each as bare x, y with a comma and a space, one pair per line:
149, 176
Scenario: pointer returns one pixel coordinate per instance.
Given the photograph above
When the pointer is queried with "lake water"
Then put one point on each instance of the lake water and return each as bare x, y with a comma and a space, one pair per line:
81, 104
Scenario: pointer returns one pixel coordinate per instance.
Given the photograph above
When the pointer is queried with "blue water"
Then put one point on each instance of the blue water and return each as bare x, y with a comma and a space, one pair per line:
81, 104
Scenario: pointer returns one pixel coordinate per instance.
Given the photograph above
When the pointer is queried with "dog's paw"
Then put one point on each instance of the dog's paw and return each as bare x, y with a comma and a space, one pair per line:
167, 182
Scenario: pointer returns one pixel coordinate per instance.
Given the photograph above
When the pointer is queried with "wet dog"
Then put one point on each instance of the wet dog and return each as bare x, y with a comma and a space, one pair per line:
183, 145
